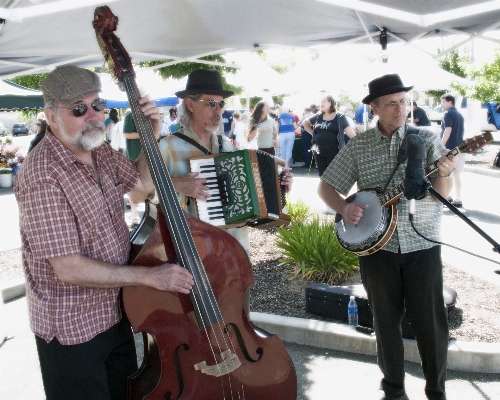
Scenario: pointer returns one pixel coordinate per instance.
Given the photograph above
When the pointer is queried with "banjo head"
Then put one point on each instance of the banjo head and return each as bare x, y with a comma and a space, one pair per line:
368, 224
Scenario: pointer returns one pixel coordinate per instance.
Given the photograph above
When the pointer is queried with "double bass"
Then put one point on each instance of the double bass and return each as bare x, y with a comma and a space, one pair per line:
202, 345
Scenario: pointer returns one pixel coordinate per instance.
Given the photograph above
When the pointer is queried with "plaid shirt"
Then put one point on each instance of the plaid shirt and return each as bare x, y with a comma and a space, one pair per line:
63, 211
176, 153
369, 159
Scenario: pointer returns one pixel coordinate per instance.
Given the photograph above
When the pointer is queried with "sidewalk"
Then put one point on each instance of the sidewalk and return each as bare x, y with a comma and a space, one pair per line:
341, 361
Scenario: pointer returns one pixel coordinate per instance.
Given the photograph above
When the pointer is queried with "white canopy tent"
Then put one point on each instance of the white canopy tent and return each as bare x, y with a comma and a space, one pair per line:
38, 35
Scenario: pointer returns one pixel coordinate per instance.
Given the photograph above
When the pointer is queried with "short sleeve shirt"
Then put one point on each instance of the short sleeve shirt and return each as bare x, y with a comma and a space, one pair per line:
132, 146
452, 118
286, 121
369, 159
325, 132
421, 115
63, 210
176, 154
265, 139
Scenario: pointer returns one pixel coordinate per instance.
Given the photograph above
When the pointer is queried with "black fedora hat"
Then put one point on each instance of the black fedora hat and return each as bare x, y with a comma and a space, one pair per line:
384, 85
203, 81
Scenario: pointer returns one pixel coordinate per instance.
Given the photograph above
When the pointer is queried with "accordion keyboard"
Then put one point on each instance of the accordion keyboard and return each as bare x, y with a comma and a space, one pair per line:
210, 210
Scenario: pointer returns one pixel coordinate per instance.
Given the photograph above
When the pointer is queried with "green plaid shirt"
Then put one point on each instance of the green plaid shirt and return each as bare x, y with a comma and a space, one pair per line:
369, 159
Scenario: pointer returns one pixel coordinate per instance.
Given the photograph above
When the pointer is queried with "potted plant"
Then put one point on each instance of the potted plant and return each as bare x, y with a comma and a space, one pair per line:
10, 161
6, 175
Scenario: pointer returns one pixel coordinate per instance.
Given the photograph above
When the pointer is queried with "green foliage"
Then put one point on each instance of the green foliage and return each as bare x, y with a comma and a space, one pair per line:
181, 70
298, 211
316, 250
281, 68
278, 99
487, 78
456, 64
436, 94
30, 81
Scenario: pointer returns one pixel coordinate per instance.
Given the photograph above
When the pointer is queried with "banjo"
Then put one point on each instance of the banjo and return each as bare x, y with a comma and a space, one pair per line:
379, 220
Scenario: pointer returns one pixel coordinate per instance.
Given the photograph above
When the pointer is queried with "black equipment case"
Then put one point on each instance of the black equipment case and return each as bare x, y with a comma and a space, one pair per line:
331, 301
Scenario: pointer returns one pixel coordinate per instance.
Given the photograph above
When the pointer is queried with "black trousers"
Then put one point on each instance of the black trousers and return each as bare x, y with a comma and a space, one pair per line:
306, 139
324, 158
412, 281
97, 369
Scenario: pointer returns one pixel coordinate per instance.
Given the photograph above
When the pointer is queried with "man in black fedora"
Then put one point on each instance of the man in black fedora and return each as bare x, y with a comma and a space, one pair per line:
407, 272
200, 115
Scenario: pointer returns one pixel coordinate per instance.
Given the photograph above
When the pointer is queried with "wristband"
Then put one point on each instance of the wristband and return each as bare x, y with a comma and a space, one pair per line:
446, 176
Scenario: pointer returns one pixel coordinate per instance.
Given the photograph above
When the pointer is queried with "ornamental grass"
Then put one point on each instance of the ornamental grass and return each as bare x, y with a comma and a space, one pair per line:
313, 246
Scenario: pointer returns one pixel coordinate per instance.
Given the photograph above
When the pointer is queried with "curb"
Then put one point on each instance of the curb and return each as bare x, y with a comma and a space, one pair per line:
13, 289
482, 171
462, 356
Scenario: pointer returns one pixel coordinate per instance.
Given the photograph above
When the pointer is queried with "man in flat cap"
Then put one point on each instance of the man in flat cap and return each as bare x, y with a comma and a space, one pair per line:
75, 242
407, 272
202, 107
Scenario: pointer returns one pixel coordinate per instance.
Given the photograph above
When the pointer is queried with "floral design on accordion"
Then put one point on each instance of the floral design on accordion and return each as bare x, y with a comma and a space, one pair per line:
239, 183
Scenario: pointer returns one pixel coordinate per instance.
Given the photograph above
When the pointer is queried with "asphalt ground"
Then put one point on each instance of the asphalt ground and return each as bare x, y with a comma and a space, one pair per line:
322, 373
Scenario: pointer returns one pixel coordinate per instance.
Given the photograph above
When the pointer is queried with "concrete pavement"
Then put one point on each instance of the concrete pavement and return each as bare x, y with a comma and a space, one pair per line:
324, 368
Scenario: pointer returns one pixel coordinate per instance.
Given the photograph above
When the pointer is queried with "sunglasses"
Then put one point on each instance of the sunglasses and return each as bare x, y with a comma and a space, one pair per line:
212, 103
81, 109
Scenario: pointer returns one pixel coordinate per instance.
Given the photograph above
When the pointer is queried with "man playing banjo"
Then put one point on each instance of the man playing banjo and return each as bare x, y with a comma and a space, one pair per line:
407, 272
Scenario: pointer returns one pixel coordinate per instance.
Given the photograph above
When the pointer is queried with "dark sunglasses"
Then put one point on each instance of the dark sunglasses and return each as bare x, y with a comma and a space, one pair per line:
212, 103
81, 109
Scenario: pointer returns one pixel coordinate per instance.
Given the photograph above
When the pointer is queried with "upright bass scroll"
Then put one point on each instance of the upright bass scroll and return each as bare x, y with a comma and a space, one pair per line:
200, 346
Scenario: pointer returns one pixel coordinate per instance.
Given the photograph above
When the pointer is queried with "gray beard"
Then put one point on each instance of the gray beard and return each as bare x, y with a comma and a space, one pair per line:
83, 139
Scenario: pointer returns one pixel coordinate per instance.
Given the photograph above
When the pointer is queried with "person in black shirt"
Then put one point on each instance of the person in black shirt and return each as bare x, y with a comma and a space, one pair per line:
41, 126
419, 116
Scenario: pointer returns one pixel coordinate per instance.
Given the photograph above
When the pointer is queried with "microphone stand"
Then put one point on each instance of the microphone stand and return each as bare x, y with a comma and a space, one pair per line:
496, 246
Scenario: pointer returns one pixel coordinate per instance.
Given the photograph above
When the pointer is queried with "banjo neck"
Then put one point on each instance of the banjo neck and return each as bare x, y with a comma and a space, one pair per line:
469, 146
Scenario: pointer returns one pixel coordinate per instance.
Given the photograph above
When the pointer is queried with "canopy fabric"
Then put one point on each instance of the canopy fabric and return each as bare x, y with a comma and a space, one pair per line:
14, 97
39, 35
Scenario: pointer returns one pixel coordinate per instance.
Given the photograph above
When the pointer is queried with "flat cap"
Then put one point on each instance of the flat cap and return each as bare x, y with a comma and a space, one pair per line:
68, 84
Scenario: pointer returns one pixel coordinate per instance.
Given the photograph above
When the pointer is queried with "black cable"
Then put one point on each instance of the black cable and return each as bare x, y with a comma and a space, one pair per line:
449, 245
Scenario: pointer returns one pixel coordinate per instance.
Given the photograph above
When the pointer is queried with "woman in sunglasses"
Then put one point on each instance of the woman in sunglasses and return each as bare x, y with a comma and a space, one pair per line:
41, 126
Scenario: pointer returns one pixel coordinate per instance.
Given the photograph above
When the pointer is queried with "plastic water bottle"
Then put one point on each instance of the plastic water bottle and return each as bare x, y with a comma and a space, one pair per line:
352, 312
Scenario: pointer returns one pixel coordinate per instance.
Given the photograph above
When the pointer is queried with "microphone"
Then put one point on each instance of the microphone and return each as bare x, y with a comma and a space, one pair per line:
415, 183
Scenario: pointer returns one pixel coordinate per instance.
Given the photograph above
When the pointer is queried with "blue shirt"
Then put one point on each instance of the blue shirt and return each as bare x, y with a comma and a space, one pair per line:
358, 115
286, 121
227, 118
452, 118
421, 115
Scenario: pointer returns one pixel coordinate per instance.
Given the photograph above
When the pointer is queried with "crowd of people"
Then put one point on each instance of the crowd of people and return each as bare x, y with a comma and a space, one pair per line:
75, 240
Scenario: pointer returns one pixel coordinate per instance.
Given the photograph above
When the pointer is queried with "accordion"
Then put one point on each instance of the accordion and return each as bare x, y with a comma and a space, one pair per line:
244, 187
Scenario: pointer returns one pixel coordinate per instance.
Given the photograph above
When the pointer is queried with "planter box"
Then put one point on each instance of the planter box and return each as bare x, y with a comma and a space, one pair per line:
6, 180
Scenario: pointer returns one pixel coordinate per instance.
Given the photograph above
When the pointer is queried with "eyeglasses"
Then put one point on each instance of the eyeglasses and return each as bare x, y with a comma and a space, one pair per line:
212, 103
81, 109
394, 104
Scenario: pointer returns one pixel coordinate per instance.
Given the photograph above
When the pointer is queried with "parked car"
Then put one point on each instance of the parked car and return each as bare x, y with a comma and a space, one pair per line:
3, 130
434, 114
20, 129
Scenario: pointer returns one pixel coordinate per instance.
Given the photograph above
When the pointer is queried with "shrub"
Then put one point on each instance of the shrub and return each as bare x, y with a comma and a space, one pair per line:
298, 211
314, 247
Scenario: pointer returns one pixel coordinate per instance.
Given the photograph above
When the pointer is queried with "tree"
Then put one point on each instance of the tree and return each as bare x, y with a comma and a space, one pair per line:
30, 81
487, 82
456, 64
180, 70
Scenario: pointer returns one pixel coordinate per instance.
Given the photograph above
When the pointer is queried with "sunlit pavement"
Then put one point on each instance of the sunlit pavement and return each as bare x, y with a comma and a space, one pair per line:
322, 373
